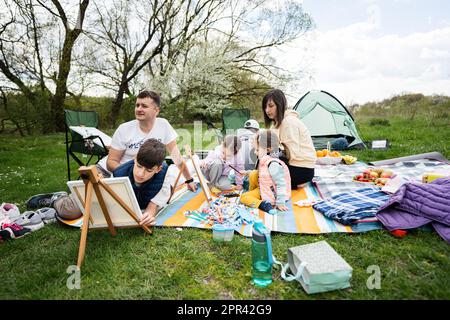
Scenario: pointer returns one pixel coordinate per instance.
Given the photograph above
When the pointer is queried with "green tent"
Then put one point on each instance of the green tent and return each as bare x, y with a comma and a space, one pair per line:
327, 119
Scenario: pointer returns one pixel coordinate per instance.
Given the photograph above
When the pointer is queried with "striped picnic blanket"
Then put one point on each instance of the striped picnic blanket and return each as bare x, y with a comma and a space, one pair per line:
296, 220
330, 180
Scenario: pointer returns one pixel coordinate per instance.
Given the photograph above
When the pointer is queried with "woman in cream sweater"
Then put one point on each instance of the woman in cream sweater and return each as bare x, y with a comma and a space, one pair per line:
293, 135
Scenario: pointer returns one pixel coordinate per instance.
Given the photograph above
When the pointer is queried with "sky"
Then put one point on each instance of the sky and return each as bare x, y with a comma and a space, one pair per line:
369, 50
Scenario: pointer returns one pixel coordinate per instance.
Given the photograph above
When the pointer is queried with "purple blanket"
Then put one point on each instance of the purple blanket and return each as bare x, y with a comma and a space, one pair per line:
417, 204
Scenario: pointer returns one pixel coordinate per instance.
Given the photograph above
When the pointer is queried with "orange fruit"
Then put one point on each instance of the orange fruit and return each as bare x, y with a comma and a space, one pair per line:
335, 154
325, 152
319, 154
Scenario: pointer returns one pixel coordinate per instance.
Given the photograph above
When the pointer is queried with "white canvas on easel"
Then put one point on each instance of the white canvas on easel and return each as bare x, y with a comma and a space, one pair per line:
119, 216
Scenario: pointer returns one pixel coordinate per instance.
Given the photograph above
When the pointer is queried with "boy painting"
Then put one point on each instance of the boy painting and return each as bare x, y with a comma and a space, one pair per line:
149, 179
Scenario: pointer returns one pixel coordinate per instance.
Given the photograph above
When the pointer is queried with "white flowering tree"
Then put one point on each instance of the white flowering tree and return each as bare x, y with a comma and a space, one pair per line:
194, 52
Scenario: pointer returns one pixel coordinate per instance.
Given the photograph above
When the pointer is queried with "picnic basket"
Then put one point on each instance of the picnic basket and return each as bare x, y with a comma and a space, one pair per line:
327, 159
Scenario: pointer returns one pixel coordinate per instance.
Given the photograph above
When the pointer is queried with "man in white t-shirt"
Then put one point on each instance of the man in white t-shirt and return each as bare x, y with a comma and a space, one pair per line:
130, 135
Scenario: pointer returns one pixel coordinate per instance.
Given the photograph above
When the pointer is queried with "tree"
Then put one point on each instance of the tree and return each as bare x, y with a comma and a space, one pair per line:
135, 33
162, 36
227, 66
36, 45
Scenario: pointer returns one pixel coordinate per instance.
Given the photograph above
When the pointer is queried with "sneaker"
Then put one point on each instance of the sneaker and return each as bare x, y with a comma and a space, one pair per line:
267, 207
48, 215
4, 235
13, 231
4, 219
30, 220
67, 208
44, 200
10, 210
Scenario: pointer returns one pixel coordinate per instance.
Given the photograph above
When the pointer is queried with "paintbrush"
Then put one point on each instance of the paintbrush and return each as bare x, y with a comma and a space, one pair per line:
242, 174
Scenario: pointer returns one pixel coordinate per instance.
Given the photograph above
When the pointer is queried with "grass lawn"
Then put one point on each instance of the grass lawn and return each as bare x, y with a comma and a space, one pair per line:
187, 264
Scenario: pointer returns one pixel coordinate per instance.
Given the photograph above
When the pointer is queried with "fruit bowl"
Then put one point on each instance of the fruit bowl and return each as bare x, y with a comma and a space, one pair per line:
329, 160
376, 176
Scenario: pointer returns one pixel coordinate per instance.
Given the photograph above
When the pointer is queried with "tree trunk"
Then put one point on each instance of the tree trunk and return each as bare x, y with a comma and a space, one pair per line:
57, 101
117, 104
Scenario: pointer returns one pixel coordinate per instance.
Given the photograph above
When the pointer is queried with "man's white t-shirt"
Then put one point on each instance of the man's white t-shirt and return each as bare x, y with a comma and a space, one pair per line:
129, 137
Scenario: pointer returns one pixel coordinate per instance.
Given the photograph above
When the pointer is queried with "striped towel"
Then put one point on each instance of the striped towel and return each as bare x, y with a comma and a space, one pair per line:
351, 207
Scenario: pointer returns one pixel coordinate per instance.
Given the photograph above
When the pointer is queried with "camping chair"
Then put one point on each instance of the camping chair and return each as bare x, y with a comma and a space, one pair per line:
232, 119
91, 145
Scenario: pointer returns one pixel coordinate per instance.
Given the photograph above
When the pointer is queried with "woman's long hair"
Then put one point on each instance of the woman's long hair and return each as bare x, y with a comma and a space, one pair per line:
278, 97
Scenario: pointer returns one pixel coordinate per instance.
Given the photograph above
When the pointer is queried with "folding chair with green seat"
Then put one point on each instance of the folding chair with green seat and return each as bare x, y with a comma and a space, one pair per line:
86, 144
232, 119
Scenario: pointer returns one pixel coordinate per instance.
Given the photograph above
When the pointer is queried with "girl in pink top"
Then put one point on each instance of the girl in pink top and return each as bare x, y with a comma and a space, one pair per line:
270, 185
217, 166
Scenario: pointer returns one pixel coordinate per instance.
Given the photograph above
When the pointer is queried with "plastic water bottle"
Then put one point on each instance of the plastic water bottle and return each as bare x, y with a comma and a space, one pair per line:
261, 255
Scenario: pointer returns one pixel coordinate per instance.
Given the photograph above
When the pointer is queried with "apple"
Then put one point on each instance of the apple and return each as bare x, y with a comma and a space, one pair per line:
366, 173
386, 174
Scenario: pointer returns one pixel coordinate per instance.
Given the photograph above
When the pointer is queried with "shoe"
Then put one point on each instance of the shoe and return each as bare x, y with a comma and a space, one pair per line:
48, 215
44, 200
10, 210
13, 231
4, 235
30, 220
4, 219
267, 207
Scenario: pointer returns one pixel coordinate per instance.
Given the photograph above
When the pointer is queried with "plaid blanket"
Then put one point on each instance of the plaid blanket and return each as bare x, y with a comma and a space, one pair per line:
334, 179
350, 207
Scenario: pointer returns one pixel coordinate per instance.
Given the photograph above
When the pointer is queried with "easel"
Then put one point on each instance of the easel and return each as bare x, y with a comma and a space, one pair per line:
93, 182
188, 150
174, 189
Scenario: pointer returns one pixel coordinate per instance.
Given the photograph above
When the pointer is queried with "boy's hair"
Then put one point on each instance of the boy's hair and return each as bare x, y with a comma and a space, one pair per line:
232, 142
151, 153
268, 139
278, 97
152, 95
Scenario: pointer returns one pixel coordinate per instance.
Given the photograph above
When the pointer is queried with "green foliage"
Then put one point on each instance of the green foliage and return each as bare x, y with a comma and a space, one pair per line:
187, 264
408, 105
379, 122
29, 118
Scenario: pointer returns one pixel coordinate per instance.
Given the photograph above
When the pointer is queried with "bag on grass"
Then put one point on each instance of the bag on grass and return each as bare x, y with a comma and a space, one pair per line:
318, 268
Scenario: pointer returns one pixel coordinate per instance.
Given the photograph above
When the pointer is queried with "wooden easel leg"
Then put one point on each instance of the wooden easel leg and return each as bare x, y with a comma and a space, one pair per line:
176, 182
101, 201
85, 227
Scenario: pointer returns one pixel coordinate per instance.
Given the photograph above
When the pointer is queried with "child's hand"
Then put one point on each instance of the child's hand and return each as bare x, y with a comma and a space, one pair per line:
282, 208
238, 187
203, 164
148, 218
192, 186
